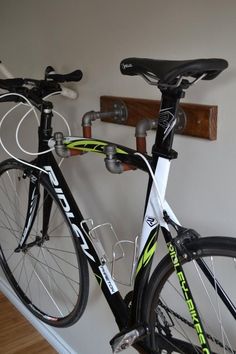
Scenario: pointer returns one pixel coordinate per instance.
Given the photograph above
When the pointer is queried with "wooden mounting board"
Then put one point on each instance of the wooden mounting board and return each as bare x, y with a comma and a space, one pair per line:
201, 119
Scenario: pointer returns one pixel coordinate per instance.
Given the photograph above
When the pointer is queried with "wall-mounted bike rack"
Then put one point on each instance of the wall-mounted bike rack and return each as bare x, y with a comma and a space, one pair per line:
117, 112
197, 120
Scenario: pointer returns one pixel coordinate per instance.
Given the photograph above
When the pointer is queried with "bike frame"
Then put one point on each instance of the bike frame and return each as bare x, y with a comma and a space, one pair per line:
154, 218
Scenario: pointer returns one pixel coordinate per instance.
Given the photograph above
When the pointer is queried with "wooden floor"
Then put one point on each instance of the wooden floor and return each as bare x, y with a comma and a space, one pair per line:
17, 335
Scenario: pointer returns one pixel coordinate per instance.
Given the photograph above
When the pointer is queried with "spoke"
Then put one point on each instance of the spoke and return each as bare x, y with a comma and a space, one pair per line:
13, 232
12, 204
60, 236
224, 346
66, 298
57, 227
7, 215
4, 227
30, 259
7, 194
183, 331
55, 270
175, 289
7, 249
28, 282
16, 266
5, 190
209, 336
218, 305
9, 257
58, 250
179, 324
22, 267
12, 184
55, 211
34, 271
40, 271
10, 227
48, 293
65, 276
60, 258
218, 315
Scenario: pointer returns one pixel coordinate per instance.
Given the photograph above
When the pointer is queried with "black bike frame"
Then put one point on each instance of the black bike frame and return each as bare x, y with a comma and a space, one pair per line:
74, 216
162, 149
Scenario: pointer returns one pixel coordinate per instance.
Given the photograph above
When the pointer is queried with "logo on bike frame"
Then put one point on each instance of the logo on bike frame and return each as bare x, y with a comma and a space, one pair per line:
167, 121
151, 221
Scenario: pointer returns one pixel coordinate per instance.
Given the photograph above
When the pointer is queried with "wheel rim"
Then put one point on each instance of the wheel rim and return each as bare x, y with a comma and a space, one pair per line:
46, 276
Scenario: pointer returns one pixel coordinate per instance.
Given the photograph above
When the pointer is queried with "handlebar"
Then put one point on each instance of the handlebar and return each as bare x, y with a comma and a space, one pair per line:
76, 75
36, 90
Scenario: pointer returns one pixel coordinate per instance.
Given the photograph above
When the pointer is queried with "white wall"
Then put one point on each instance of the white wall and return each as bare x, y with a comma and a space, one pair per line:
95, 36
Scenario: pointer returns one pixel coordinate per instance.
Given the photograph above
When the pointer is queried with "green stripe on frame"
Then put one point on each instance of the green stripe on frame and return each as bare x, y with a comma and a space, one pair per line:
148, 253
91, 146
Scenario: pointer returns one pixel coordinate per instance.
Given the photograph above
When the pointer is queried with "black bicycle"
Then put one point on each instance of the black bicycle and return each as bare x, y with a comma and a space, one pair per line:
188, 303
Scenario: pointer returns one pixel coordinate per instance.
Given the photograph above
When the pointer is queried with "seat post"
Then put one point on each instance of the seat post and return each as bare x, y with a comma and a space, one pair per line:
166, 123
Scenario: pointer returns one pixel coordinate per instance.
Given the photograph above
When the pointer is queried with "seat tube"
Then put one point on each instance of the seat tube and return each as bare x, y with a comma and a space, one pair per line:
166, 124
162, 152
165, 130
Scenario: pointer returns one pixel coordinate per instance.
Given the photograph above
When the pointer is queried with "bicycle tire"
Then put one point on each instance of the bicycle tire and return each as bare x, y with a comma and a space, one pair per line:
51, 278
166, 310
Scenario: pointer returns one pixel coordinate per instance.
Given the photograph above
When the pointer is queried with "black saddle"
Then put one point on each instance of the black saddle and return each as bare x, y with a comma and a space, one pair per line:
168, 71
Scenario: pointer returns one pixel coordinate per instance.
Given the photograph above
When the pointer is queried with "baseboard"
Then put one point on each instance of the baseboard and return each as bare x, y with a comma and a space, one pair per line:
47, 332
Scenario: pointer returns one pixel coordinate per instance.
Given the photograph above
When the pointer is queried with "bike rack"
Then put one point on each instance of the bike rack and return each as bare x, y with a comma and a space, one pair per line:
197, 120
117, 112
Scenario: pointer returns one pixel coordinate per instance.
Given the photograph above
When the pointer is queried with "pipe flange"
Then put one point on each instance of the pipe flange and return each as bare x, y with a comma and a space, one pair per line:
120, 112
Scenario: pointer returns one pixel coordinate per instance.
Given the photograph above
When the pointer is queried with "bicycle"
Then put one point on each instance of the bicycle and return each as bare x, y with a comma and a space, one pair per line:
187, 304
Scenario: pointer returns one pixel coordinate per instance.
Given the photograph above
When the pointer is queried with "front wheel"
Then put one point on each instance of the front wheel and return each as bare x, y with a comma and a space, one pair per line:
50, 273
167, 306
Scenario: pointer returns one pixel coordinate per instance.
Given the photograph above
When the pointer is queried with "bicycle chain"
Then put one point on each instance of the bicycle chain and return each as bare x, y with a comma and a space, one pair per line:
184, 320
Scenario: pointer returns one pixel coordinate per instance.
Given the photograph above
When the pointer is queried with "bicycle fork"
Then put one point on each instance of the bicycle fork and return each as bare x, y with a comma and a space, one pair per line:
31, 213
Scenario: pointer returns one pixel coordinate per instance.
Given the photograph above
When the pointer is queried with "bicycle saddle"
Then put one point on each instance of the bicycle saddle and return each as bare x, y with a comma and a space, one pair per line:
167, 71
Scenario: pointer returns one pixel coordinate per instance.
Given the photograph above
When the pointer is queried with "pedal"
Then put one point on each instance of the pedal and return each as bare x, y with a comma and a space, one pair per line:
126, 339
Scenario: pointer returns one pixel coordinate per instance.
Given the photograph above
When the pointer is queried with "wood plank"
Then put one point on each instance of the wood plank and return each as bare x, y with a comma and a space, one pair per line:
201, 119
17, 335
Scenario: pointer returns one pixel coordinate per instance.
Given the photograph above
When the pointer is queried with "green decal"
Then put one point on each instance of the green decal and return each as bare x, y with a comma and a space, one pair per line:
99, 279
148, 253
188, 298
91, 146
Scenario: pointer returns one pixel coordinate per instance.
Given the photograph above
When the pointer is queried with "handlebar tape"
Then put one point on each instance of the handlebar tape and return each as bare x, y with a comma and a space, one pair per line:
69, 93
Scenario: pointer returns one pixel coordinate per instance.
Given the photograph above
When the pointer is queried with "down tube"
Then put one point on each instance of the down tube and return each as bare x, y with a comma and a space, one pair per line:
75, 218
